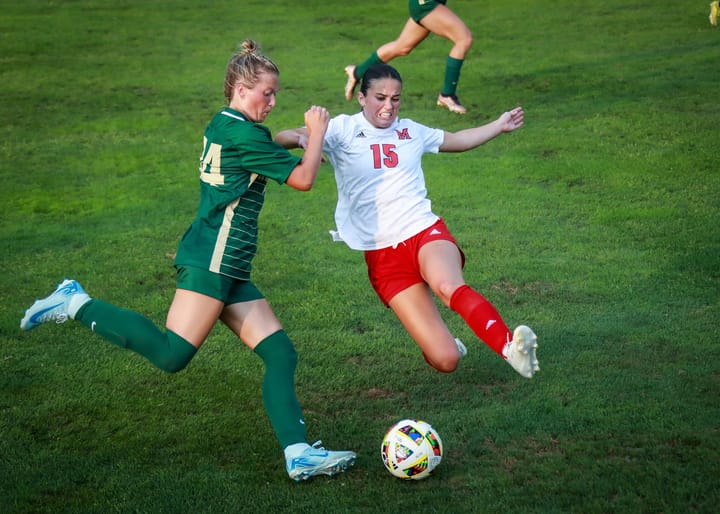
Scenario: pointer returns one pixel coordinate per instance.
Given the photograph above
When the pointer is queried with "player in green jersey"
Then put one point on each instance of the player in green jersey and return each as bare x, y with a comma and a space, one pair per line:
214, 260
426, 16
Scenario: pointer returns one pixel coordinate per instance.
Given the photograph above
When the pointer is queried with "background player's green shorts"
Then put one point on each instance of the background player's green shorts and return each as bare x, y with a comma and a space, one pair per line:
420, 8
226, 289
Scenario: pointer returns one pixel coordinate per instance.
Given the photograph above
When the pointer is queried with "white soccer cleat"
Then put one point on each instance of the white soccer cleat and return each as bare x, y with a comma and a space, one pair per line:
62, 304
451, 103
461, 348
351, 81
520, 352
316, 460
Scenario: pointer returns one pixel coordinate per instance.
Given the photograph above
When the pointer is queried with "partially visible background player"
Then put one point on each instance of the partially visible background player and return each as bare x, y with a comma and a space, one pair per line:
714, 13
426, 16
384, 211
214, 260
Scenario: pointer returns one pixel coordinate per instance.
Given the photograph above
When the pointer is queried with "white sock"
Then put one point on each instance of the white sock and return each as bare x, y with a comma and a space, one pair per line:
76, 301
295, 450
506, 349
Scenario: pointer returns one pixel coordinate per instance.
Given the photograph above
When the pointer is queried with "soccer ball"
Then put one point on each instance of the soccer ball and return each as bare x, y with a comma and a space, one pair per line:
411, 449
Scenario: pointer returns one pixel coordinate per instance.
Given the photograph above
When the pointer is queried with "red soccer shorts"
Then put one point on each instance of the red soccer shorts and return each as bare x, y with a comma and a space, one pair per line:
392, 270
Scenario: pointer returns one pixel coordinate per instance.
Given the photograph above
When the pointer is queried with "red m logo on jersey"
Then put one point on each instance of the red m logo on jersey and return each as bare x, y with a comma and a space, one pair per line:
403, 134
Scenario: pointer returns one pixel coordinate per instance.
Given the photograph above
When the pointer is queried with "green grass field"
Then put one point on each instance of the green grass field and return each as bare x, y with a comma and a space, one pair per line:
597, 224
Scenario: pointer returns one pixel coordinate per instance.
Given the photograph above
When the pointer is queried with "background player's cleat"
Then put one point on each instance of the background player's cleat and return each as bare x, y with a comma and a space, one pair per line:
62, 304
461, 347
351, 81
452, 103
316, 460
520, 352
714, 13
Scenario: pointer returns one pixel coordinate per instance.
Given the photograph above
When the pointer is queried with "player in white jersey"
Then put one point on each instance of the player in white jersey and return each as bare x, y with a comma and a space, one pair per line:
384, 211
382, 199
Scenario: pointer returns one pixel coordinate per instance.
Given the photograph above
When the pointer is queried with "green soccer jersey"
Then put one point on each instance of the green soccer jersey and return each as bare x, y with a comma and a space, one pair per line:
237, 159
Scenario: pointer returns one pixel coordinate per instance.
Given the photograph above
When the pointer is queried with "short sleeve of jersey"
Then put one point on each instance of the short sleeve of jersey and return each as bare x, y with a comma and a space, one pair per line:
254, 150
343, 128
238, 159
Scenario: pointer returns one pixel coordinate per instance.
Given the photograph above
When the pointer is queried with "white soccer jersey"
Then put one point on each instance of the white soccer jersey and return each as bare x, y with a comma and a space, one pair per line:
382, 198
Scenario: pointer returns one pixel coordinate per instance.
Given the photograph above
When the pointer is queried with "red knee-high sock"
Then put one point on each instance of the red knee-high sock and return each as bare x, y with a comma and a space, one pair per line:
481, 317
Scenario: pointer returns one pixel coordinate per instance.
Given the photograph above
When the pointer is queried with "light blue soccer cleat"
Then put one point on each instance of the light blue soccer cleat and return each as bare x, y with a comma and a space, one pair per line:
316, 460
62, 304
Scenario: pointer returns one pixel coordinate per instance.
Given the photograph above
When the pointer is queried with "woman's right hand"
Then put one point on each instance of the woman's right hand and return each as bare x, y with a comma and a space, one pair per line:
317, 119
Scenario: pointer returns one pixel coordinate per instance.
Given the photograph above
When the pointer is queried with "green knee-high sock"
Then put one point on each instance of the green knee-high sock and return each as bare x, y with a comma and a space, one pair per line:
361, 68
452, 75
127, 329
281, 403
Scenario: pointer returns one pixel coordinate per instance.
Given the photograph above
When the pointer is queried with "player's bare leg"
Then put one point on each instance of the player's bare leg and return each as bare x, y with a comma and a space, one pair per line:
410, 37
416, 309
441, 266
192, 315
445, 23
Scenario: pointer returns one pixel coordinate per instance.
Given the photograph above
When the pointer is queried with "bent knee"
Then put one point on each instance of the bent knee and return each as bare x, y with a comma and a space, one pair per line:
463, 44
400, 49
447, 365
443, 363
444, 291
175, 355
172, 366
